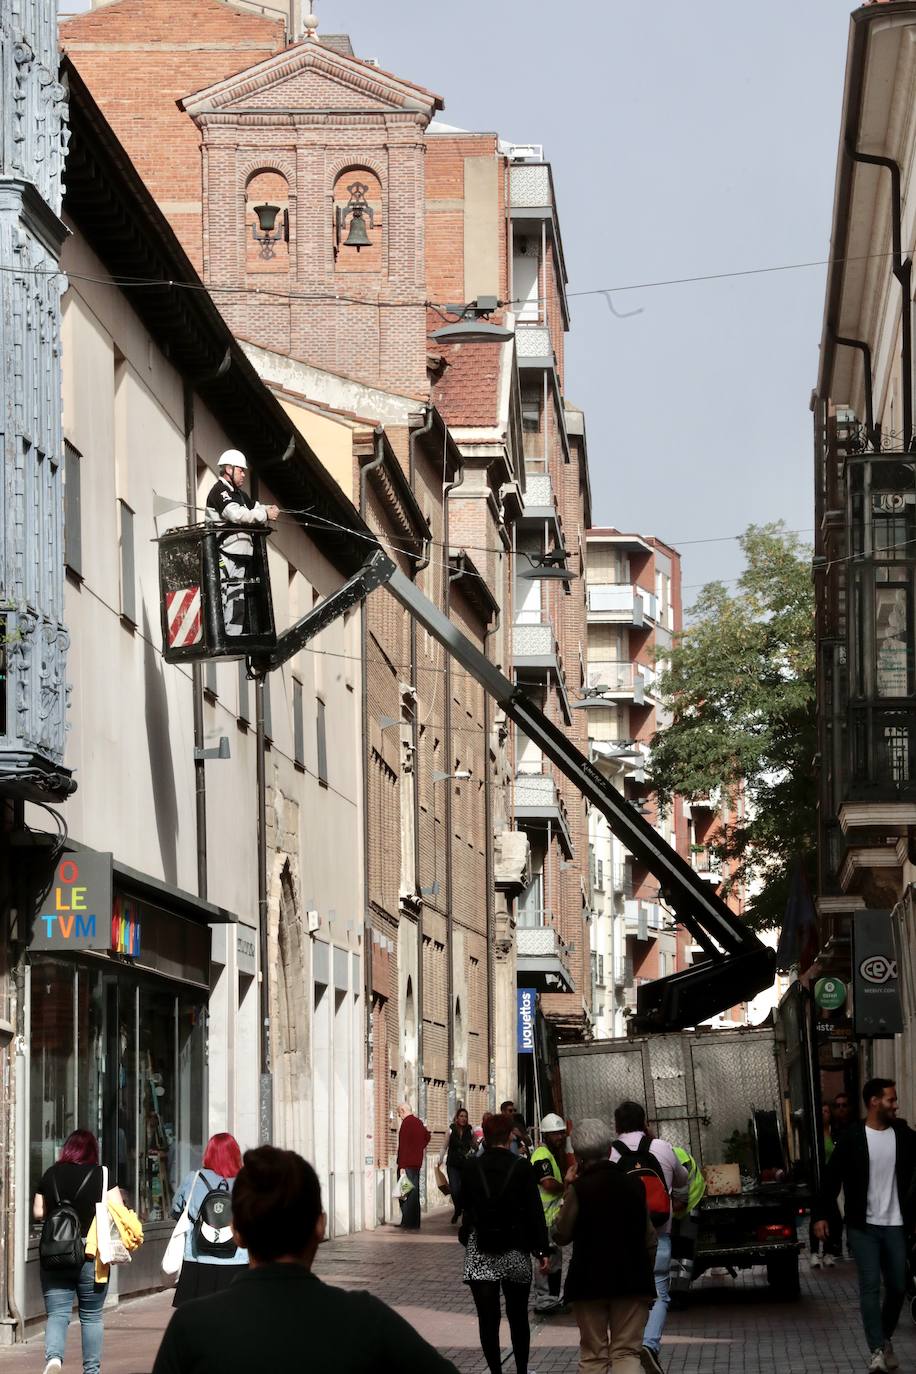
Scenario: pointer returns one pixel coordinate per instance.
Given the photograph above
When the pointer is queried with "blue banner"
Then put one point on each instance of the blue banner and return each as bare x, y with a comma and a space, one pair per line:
527, 1007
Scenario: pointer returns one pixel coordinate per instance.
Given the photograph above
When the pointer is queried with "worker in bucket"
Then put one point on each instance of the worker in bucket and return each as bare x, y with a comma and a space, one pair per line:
229, 504
550, 1162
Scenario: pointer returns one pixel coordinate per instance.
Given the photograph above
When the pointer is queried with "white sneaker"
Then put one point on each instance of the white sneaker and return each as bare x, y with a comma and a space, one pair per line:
877, 1364
53, 1366
829, 1261
890, 1359
815, 1260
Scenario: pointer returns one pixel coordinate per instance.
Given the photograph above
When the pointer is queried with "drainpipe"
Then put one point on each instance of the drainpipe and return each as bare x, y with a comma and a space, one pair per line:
200, 780
865, 350
419, 566
903, 270
447, 489
364, 471
490, 873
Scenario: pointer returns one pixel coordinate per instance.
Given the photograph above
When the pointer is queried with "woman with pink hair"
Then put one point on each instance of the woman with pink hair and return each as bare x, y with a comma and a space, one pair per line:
212, 1259
73, 1185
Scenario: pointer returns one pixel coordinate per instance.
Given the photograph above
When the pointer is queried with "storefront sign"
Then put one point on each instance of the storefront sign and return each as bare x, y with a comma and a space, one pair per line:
76, 914
527, 1005
876, 997
246, 950
829, 993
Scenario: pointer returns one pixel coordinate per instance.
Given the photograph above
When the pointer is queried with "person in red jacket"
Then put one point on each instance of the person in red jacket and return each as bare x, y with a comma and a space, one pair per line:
413, 1138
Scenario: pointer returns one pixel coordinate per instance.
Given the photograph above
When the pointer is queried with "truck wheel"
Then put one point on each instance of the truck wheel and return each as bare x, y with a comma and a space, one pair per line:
782, 1276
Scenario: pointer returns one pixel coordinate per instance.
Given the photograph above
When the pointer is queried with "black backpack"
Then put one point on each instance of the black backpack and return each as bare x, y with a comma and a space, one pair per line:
62, 1244
641, 1163
213, 1224
497, 1230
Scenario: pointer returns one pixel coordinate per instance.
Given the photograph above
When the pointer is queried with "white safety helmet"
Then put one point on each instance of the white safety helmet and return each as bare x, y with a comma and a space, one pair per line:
233, 458
552, 1122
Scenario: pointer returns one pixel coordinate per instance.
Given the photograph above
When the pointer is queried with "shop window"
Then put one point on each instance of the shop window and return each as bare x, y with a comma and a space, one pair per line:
156, 1113
188, 1148
358, 226
267, 223
52, 1082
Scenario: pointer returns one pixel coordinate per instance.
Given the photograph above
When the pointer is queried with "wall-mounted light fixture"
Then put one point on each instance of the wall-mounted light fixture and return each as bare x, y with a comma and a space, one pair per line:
220, 752
357, 210
461, 776
266, 232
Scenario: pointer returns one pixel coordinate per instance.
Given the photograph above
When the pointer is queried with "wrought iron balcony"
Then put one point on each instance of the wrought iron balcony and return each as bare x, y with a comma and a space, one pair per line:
883, 753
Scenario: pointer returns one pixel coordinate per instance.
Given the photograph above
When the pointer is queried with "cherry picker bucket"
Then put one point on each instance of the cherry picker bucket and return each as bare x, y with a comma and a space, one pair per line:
214, 603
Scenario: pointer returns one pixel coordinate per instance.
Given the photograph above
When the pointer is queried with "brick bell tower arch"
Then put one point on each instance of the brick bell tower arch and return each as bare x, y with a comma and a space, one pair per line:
344, 142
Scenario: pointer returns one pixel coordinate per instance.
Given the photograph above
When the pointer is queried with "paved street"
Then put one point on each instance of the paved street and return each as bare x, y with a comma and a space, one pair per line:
728, 1327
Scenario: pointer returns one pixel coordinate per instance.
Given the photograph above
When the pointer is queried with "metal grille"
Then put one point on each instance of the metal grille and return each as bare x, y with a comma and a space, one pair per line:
733, 1079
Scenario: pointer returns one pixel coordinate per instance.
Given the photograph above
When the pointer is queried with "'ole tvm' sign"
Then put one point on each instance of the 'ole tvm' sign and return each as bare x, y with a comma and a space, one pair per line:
76, 914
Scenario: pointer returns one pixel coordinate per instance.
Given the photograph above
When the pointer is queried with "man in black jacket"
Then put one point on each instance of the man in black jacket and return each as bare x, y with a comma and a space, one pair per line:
277, 1315
874, 1162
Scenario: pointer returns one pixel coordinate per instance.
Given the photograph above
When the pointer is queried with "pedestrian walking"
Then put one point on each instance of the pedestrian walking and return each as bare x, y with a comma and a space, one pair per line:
826, 1252
413, 1138
278, 1315
459, 1146
503, 1227
65, 1202
519, 1141
874, 1162
641, 1149
610, 1282
212, 1256
550, 1162
229, 504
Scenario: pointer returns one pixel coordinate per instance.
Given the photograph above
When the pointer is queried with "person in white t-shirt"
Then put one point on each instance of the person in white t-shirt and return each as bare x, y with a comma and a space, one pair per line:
874, 1162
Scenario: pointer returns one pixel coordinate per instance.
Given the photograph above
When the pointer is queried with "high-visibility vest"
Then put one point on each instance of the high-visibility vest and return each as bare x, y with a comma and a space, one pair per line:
696, 1183
552, 1202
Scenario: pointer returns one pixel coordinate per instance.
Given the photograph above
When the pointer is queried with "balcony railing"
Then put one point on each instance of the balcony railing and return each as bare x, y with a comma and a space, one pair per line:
883, 748
620, 603
539, 492
537, 801
620, 677
707, 864
533, 346
536, 790
529, 187
543, 957
642, 919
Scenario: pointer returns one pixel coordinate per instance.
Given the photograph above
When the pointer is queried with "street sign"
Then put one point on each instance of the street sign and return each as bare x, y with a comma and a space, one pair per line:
527, 1005
876, 997
829, 993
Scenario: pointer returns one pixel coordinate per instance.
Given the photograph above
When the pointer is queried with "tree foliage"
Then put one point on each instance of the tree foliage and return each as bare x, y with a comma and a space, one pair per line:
740, 690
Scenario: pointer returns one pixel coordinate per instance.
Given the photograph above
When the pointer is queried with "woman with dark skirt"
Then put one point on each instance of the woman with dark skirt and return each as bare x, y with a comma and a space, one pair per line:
212, 1260
503, 1227
459, 1147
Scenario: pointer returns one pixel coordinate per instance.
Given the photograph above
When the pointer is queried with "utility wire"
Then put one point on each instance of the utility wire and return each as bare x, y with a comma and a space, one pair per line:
213, 288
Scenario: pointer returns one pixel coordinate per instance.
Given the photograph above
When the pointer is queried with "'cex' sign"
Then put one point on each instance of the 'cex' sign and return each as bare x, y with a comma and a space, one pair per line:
76, 914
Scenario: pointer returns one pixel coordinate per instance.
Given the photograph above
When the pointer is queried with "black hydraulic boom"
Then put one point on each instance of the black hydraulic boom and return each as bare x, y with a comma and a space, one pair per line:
737, 965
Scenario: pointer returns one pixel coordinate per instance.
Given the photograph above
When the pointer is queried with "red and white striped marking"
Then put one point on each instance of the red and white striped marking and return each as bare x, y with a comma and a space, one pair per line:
182, 610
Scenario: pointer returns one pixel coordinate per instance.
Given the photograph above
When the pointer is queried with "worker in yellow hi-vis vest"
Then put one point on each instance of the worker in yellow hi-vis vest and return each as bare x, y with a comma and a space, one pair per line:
550, 1162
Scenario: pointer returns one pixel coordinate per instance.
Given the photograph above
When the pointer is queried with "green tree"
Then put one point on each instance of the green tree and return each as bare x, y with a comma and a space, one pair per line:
740, 691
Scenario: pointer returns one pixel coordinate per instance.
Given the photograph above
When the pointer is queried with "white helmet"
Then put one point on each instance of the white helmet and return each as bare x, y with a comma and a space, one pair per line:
552, 1122
233, 458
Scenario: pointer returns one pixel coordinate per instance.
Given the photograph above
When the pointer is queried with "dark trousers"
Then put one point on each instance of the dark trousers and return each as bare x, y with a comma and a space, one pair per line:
879, 1252
410, 1205
486, 1299
454, 1188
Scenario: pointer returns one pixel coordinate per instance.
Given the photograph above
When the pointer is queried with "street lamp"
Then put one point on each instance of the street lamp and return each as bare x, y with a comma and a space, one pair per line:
472, 325
545, 567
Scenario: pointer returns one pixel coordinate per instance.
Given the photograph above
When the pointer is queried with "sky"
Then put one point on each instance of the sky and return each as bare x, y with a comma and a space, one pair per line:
685, 140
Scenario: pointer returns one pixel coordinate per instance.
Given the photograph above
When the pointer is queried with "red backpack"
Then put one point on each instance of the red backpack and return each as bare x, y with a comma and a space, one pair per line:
641, 1163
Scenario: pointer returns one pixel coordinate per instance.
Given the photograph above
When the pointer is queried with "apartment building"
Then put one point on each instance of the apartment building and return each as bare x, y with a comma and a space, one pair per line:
633, 600
865, 555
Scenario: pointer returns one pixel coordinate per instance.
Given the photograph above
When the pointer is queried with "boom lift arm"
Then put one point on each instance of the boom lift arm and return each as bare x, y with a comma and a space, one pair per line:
737, 964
